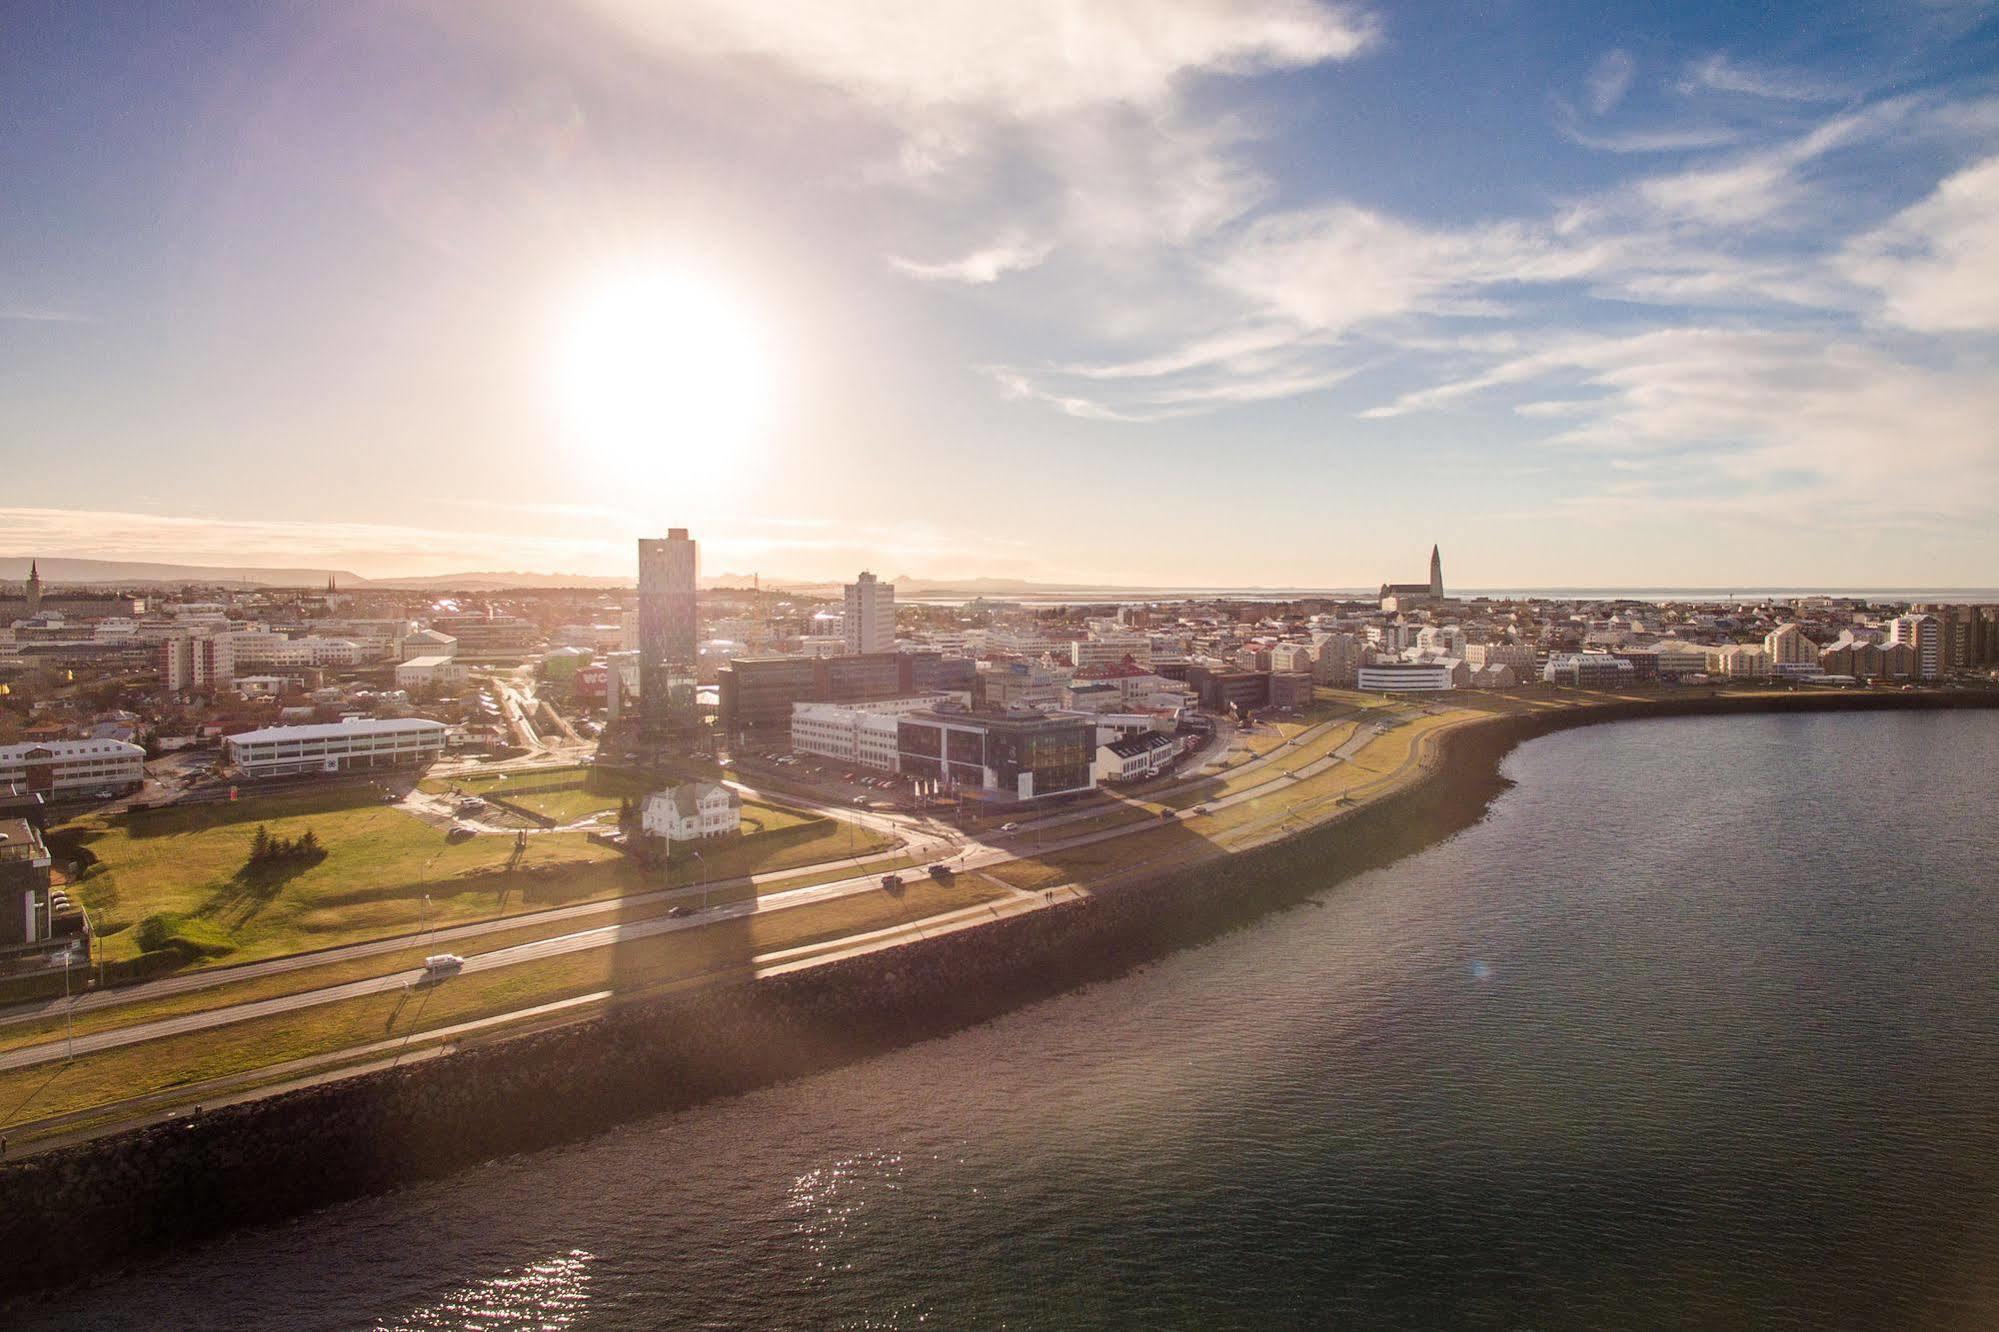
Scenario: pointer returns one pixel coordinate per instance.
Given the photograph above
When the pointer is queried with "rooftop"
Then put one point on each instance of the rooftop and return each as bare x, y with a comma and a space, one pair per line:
333, 730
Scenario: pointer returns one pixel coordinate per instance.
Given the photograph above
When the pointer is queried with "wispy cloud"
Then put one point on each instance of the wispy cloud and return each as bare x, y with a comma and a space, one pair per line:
1008, 255
29, 314
1718, 73
1609, 79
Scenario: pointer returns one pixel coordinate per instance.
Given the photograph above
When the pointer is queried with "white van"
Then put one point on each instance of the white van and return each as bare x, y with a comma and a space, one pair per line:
442, 964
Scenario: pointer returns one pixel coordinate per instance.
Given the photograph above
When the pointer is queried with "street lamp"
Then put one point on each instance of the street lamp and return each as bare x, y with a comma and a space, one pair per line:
700, 875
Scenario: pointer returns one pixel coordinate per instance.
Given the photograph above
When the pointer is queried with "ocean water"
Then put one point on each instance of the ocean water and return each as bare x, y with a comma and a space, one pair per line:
1699, 1028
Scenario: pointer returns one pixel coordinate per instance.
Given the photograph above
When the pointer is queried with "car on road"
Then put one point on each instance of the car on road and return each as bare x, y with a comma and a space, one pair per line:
443, 964
1009, 827
942, 873
680, 912
860, 800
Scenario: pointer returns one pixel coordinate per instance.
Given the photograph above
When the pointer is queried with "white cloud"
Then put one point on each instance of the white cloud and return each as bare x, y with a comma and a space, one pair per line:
1007, 255
1026, 58
1936, 264
1718, 73
1609, 79
369, 549
1800, 418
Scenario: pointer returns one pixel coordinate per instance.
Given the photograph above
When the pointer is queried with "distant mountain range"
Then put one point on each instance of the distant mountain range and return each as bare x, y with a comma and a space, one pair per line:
60, 569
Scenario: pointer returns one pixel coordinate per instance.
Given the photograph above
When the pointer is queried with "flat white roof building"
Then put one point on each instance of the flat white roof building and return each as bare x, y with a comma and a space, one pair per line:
290, 751
63, 767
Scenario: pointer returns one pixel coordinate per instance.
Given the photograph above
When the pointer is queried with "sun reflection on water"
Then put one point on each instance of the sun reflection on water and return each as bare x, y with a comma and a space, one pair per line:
546, 1296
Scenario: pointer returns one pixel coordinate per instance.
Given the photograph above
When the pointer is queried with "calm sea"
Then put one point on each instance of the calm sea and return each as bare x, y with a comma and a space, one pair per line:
1699, 1028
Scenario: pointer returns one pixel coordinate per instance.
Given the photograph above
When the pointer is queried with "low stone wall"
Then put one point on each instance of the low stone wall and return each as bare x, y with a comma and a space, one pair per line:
81, 1208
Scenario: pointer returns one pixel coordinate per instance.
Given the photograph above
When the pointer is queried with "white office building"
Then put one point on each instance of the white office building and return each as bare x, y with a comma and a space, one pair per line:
1407, 676
68, 767
869, 622
859, 733
290, 751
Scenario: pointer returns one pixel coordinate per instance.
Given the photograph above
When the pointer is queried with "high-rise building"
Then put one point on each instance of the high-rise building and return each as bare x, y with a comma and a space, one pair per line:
1924, 634
870, 620
669, 632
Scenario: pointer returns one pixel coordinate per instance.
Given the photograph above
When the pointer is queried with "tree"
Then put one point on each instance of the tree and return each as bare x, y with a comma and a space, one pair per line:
308, 847
260, 845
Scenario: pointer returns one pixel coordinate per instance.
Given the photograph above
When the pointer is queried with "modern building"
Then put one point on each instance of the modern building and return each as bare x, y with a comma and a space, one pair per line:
426, 673
863, 733
1587, 670
27, 901
1224, 689
487, 636
359, 745
1521, 657
1393, 677
1110, 649
62, 768
869, 622
691, 811
1136, 757
1006, 756
757, 693
428, 643
1924, 634
669, 633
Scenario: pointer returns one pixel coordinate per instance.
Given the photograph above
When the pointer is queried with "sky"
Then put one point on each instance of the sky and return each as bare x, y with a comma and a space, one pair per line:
1214, 293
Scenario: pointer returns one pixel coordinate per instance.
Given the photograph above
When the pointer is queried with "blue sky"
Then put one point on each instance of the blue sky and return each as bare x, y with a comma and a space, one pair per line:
1214, 293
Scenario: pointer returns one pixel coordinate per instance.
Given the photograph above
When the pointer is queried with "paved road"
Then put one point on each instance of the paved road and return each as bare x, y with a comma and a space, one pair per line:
969, 857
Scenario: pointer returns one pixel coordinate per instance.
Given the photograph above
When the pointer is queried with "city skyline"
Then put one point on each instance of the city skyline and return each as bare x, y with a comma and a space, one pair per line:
1704, 300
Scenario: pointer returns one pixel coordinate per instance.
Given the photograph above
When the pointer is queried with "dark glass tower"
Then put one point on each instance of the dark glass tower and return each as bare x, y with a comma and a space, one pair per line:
669, 634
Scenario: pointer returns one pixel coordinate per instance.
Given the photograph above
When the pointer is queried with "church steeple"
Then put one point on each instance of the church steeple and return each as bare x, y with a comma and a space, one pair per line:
34, 586
1436, 573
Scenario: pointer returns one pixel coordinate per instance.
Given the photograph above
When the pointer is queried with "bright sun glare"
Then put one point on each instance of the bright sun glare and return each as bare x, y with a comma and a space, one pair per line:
662, 366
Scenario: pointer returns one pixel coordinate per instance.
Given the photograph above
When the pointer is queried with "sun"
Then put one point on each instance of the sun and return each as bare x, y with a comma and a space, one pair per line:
663, 368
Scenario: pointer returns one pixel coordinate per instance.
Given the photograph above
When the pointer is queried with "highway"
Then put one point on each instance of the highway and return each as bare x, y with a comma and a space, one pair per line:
969, 857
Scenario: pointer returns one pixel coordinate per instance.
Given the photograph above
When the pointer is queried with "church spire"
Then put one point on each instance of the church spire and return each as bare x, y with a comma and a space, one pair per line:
34, 586
1436, 572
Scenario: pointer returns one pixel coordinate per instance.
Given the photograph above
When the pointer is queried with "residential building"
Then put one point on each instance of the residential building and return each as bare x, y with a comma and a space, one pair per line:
1290, 689
72, 767
869, 623
1589, 670
1923, 634
1788, 646
1520, 657
692, 811
1739, 661
361, 744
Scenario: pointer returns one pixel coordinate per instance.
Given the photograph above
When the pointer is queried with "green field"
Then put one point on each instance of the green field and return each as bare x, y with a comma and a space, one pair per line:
191, 864
177, 884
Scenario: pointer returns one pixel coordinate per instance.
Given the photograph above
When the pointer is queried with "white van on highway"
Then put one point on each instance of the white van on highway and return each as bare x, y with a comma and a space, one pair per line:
442, 964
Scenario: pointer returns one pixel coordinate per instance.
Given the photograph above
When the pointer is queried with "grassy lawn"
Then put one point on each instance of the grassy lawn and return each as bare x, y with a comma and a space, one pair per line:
189, 865
723, 948
191, 861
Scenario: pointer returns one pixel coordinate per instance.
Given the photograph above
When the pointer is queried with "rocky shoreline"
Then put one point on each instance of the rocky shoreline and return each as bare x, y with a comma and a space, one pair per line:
83, 1209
